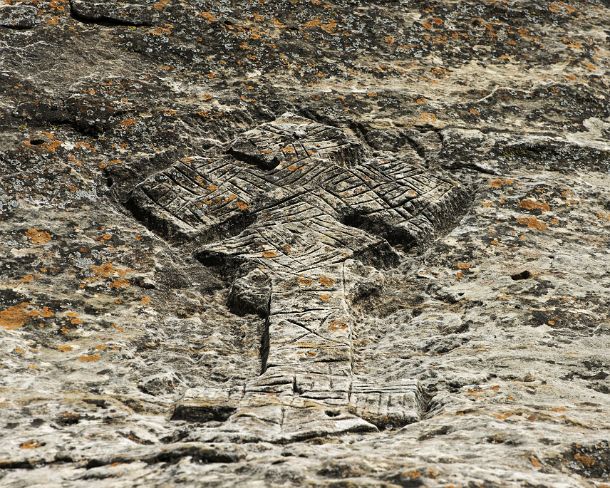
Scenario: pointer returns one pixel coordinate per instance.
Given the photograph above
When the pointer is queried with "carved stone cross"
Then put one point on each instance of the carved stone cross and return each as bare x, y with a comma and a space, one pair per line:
288, 209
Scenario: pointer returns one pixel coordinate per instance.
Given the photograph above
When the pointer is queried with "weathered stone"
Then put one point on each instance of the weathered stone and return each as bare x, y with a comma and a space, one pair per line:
302, 243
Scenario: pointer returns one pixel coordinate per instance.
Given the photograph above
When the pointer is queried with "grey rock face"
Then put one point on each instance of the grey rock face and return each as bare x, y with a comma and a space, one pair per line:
303, 243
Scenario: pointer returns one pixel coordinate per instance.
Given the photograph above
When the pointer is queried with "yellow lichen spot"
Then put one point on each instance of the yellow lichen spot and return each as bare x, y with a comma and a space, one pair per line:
501, 182
101, 347
64, 348
325, 297
269, 254
243, 206
30, 444
529, 204
89, 358
532, 223
14, 317
326, 281
303, 281
38, 236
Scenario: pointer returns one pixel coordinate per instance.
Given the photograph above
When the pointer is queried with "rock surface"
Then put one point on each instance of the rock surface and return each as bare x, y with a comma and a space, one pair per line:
304, 243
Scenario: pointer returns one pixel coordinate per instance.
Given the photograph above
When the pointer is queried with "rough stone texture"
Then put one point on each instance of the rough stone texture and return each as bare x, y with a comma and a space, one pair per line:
304, 243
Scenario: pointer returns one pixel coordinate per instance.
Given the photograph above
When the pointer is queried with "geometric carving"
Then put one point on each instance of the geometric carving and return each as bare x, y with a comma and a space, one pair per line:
285, 208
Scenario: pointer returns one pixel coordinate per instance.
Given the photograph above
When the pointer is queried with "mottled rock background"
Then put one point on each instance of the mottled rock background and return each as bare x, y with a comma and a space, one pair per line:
504, 320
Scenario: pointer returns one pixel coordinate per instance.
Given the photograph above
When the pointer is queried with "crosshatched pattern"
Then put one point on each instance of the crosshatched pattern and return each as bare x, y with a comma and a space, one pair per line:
296, 201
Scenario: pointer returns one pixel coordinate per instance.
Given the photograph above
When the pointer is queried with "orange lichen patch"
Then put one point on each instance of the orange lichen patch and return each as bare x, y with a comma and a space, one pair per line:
421, 101
74, 318
104, 237
161, 4
561, 8
119, 283
426, 117
529, 204
117, 327
337, 325
426, 24
164, 30
278, 24
501, 182
30, 444
44, 312
535, 462
590, 66
145, 300
27, 278
89, 358
602, 216
389, 40
532, 223
325, 297
127, 122
106, 270
287, 248
474, 111
64, 348
208, 16
293, 167
459, 275
312, 23
243, 206
487, 204
559, 409
38, 236
212, 187
587, 461
101, 347
329, 27
463, 266
504, 415
303, 281
412, 474
326, 281
269, 254
14, 317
